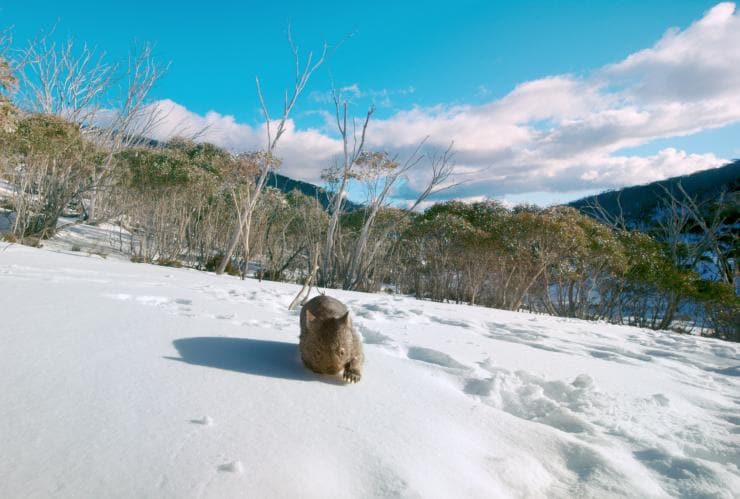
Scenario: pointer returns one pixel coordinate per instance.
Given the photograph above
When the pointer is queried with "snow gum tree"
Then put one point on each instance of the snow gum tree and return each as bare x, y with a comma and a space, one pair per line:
274, 130
8, 84
350, 258
107, 99
50, 167
176, 200
288, 228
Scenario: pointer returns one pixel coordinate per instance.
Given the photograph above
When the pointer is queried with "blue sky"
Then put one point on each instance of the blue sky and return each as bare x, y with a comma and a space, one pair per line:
435, 63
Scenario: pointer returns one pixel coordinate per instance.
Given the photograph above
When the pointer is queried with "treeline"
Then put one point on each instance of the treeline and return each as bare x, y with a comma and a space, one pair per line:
561, 262
184, 203
177, 203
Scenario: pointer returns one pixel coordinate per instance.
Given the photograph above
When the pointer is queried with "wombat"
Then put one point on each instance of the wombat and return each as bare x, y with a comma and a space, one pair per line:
328, 342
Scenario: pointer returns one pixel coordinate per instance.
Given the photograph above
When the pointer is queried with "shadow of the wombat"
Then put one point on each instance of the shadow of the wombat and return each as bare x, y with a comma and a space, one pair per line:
274, 359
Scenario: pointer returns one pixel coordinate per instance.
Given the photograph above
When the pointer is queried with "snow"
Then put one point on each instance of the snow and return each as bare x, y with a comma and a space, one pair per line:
132, 380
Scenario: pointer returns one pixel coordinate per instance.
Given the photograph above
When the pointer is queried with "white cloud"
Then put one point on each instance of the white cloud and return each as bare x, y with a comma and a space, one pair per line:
560, 133
699, 63
380, 98
565, 133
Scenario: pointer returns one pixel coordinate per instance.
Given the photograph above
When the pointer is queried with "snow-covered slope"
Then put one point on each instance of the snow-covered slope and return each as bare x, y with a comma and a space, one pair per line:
130, 380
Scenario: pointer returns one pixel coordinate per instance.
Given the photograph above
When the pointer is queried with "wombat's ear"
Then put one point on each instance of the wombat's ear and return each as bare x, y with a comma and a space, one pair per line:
345, 319
310, 317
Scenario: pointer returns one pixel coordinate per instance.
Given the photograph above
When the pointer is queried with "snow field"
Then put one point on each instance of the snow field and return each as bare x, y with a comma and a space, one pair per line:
131, 380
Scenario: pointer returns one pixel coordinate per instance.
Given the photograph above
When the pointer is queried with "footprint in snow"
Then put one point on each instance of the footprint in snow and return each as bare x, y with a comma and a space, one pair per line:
661, 400
372, 337
665, 354
618, 355
530, 397
384, 310
176, 306
204, 421
451, 322
436, 357
232, 467
724, 351
521, 336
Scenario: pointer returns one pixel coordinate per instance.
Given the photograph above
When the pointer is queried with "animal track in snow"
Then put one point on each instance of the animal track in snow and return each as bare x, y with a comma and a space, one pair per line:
204, 421
381, 311
384, 481
267, 324
531, 397
451, 322
664, 354
232, 467
372, 337
177, 306
725, 351
618, 354
682, 473
436, 357
522, 336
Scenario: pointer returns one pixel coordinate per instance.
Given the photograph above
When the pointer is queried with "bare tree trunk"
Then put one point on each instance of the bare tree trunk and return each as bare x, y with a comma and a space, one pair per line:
349, 159
441, 166
268, 161
300, 298
518, 302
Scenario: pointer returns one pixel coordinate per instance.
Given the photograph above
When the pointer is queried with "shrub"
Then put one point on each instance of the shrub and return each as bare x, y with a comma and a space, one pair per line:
212, 265
169, 262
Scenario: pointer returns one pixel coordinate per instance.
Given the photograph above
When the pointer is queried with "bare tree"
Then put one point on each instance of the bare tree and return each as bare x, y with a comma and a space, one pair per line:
381, 173
62, 80
377, 173
341, 175
8, 84
684, 212
108, 100
305, 291
129, 118
268, 160
617, 220
7, 79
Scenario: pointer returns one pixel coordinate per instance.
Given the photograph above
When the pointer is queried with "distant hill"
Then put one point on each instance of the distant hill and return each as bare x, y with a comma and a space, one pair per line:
638, 203
287, 184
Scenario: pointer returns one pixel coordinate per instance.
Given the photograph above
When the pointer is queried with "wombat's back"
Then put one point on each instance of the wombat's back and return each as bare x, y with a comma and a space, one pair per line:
323, 307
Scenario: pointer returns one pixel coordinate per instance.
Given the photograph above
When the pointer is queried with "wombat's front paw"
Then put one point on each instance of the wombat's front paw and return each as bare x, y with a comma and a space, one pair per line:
351, 376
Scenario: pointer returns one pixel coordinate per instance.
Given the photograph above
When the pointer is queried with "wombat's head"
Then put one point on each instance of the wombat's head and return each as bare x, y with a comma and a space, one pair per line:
332, 325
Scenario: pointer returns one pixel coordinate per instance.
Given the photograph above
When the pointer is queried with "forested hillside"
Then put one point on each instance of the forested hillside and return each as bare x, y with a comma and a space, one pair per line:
637, 204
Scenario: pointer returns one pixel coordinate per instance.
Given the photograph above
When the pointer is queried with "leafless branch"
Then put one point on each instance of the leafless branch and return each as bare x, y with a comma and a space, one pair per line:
303, 73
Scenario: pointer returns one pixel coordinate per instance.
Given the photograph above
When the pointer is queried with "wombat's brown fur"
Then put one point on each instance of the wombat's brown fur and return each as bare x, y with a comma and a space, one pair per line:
328, 342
